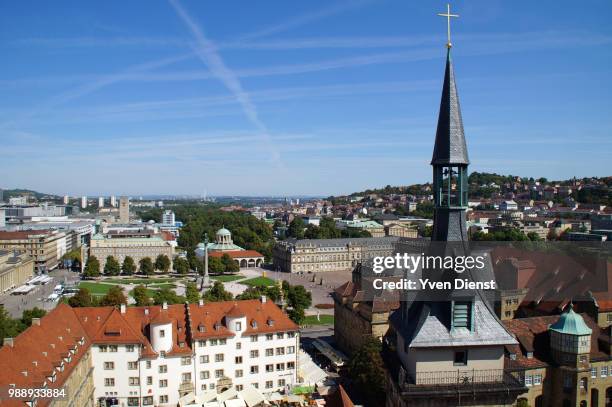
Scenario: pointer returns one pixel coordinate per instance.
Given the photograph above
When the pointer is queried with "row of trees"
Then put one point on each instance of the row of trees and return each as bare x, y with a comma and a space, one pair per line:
113, 268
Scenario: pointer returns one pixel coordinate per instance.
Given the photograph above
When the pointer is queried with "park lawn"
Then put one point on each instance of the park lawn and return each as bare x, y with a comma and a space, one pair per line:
162, 285
259, 282
324, 320
150, 292
226, 278
96, 288
143, 281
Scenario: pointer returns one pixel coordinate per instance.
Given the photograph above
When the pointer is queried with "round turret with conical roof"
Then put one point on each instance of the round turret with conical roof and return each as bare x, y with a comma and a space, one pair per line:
570, 336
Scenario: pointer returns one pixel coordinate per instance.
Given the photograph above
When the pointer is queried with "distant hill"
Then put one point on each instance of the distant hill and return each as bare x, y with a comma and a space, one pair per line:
11, 193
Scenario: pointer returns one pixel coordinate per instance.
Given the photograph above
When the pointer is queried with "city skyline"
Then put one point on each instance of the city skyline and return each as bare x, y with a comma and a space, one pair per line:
325, 100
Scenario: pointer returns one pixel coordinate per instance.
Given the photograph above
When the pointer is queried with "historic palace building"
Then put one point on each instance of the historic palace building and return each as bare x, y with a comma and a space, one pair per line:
319, 255
138, 247
152, 356
46, 247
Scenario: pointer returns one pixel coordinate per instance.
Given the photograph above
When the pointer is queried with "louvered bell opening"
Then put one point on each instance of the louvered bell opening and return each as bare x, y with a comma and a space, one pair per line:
461, 314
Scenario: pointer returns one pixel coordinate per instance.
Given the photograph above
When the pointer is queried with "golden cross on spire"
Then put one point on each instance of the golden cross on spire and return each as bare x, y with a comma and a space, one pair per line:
448, 16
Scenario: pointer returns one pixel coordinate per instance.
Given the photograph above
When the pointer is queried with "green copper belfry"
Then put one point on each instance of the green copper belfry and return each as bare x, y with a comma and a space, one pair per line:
450, 162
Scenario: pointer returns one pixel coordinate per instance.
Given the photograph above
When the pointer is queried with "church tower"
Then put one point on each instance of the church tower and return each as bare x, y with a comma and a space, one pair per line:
450, 164
448, 347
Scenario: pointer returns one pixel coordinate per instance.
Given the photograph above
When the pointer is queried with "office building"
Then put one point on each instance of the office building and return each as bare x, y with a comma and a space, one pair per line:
124, 210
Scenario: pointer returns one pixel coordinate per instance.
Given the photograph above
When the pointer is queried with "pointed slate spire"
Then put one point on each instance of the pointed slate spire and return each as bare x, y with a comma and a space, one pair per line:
450, 146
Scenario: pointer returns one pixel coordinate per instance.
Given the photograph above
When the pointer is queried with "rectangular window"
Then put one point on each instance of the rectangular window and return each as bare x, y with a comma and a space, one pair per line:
280, 336
290, 365
269, 368
132, 365
254, 354
253, 338
163, 383
461, 358
238, 326
462, 312
147, 401
270, 352
186, 378
290, 350
604, 371
103, 348
238, 360
213, 342
269, 337
109, 365
205, 374
567, 381
254, 369
133, 402
290, 334
129, 348
239, 373
201, 344
149, 380
537, 379
109, 382
218, 373
113, 348
204, 359
238, 345
269, 384
162, 333
163, 399
280, 351
593, 372
256, 385
219, 357
528, 380
185, 360
148, 364
280, 367
134, 381
163, 369
281, 382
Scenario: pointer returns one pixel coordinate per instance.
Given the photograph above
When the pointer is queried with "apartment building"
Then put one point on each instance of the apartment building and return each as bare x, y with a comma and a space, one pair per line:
145, 356
46, 247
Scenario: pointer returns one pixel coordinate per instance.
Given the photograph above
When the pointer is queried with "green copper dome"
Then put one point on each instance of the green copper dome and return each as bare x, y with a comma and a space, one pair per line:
571, 323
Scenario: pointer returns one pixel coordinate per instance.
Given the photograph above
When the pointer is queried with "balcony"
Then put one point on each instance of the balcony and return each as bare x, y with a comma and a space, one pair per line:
462, 382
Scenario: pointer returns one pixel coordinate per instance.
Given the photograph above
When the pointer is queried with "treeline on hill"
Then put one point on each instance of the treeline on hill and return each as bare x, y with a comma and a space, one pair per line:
326, 230
247, 231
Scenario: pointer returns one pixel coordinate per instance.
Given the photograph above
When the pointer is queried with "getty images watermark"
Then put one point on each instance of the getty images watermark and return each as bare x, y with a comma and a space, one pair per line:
410, 263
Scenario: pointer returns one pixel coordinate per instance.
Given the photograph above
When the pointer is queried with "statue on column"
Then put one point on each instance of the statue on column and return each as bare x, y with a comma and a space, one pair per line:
206, 278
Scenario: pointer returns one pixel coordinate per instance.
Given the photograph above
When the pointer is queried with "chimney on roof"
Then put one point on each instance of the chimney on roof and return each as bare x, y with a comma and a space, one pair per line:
164, 305
263, 299
122, 308
9, 341
200, 302
35, 363
146, 311
25, 373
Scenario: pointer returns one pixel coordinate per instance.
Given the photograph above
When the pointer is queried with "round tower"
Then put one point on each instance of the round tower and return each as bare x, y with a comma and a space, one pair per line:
161, 332
570, 339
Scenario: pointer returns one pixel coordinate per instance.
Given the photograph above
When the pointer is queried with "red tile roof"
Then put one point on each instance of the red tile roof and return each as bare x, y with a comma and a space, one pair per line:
37, 351
236, 254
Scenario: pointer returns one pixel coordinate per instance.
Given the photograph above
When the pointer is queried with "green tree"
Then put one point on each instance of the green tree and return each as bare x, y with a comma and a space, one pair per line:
27, 315
92, 267
82, 298
217, 293
168, 296
296, 228
366, 369
146, 266
191, 293
162, 263
114, 297
298, 297
534, 237
112, 266
141, 295
181, 265
230, 265
9, 327
297, 315
129, 267
215, 265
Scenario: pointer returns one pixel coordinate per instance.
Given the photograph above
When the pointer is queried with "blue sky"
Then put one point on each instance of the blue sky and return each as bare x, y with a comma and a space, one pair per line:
285, 98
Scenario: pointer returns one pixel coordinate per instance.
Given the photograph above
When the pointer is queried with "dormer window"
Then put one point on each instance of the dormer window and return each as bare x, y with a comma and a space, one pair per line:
462, 315
201, 328
254, 324
529, 355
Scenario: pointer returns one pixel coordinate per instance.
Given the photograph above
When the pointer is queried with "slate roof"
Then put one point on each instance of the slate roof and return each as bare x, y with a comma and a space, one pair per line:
487, 331
450, 146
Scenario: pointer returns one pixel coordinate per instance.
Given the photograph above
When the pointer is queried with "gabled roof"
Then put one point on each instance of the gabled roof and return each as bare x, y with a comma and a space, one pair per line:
450, 146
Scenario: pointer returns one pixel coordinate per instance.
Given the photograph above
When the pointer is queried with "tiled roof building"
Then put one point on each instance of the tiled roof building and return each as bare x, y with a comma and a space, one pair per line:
153, 355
